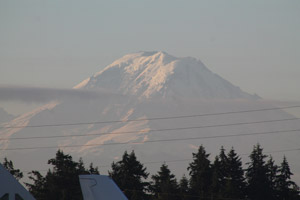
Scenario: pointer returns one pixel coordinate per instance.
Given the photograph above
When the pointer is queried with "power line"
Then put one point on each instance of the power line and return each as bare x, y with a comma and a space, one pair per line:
187, 159
149, 119
220, 136
153, 141
153, 130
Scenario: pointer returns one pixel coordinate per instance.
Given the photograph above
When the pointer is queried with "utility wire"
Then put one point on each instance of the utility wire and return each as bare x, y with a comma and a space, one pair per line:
154, 130
153, 141
149, 119
184, 160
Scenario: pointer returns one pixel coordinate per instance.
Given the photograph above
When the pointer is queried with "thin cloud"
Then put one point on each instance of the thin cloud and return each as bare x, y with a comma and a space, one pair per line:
44, 95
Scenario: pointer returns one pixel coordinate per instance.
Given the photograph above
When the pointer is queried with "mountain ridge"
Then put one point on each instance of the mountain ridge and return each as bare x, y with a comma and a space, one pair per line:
158, 74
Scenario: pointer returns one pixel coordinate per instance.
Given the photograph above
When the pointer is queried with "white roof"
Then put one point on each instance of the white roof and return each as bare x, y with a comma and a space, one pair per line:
100, 187
11, 187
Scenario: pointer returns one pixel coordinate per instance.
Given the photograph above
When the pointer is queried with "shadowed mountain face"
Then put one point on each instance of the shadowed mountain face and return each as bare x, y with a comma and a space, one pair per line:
151, 85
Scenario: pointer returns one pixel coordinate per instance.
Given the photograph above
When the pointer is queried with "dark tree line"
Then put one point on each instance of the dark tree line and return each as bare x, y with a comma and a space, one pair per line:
224, 178
61, 182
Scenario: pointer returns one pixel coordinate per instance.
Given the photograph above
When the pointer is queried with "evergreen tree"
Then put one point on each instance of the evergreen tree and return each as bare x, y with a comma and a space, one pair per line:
259, 186
200, 172
217, 179
272, 171
184, 189
128, 175
9, 165
164, 185
62, 182
93, 170
286, 187
234, 177
37, 189
219, 172
223, 163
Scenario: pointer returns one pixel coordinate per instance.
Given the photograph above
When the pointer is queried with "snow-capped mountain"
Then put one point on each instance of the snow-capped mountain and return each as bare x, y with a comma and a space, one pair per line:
149, 85
158, 74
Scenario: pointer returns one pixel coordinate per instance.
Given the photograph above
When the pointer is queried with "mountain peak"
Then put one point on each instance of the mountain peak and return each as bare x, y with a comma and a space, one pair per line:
143, 56
157, 74
152, 53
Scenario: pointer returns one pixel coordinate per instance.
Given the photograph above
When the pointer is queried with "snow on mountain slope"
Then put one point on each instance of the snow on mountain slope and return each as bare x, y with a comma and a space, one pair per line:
157, 74
20, 122
152, 84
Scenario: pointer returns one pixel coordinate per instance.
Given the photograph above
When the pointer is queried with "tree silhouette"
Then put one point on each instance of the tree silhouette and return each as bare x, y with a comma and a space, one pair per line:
62, 182
217, 183
164, 185
184, 188
272, 171
9, 165
234, 177
259, 186
129, 175
286, 187
219, 173
200, 172
38, 188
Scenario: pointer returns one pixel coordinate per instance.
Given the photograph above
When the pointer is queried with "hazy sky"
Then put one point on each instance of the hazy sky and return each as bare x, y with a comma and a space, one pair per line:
58, 43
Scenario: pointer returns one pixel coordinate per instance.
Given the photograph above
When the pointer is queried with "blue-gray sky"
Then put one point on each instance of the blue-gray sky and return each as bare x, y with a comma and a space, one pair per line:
56, 44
